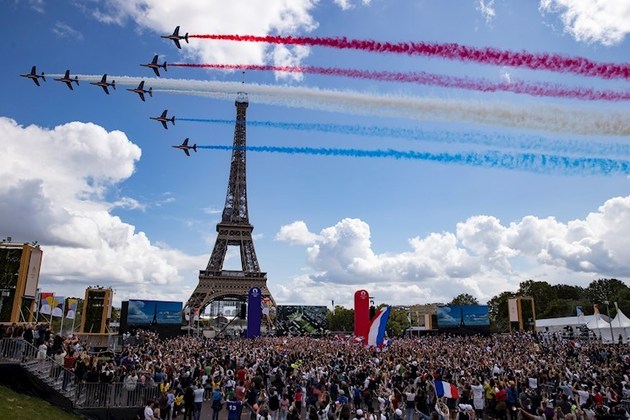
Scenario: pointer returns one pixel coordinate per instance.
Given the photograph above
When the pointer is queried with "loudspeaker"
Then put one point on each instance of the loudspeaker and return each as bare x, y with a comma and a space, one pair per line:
243, 312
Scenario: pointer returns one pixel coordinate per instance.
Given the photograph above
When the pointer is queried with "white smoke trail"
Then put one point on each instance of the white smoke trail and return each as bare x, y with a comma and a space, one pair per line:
541, 117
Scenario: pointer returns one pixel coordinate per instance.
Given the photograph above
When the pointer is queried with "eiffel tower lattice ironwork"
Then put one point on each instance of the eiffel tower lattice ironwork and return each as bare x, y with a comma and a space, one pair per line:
234, 229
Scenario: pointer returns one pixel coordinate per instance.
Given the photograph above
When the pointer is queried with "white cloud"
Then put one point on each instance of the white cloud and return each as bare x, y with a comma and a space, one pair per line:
63, 30
296, 233
129, 204
37, 5
221, 17
486, 8
212, 210
482, 257
347, 4
603, 21
54, 193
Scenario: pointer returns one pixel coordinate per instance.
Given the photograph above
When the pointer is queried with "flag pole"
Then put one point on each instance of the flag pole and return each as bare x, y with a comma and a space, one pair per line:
63, 315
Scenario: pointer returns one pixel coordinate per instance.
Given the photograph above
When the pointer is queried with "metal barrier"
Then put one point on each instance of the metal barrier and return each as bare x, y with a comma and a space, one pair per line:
16, 350
65, 382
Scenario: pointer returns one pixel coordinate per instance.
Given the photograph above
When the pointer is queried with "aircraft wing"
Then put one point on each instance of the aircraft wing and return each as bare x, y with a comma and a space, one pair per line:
177, 43
69, 83
164, 124
36, 81
141, 96
157, 73
186, 151
105, 89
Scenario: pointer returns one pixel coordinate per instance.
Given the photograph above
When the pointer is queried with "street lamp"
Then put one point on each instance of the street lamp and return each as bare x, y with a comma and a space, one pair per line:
612, 336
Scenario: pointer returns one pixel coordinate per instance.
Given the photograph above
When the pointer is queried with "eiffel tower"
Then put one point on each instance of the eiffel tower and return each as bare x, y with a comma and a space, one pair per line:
234, 229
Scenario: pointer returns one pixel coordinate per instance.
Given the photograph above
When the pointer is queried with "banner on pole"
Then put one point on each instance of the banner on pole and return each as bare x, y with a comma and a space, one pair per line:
58, 304
254, 312
71, 312
46, 300
513, 310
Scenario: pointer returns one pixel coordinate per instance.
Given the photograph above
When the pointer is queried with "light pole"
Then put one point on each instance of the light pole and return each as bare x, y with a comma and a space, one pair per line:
612, 336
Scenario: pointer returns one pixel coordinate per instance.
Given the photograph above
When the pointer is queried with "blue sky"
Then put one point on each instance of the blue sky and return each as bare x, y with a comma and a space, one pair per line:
96, 182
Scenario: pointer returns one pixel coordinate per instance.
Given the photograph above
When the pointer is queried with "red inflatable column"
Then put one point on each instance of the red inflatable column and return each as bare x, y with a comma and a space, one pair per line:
362, 314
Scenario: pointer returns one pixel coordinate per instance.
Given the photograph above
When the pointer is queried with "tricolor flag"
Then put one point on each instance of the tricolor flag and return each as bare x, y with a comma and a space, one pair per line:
72, 308
57, 306
445, 389
46, 301
376, 333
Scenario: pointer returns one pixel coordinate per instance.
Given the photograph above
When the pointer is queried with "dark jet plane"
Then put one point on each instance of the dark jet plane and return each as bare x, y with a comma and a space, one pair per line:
185, 147
162, 118
103, 83
68, 80
34, 76
140, 90
155, 66
176, 37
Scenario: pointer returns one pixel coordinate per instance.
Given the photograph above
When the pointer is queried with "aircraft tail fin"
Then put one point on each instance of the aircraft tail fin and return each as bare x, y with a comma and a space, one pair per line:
186, 37
43, 77
114, 84
151, 92
165, 66
173, 119
76, 79
194, 147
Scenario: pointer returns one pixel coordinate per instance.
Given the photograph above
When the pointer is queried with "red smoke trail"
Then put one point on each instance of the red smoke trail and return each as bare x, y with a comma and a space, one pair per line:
452, 51
533, 89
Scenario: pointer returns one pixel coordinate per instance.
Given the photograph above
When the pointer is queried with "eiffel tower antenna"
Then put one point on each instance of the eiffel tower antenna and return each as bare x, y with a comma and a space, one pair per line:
234, 229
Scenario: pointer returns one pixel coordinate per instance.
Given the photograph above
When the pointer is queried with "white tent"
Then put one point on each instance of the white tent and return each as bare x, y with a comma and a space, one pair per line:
621, 327
601, 328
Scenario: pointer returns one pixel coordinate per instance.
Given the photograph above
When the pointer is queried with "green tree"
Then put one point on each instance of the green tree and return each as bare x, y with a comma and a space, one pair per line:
115, 315
498, 311
398, 321
341, 319
464, 299
564, 291
602, 290
542, 292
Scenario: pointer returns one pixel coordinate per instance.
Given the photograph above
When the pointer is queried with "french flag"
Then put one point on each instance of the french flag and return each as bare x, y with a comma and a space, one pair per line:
376, 334
445, 389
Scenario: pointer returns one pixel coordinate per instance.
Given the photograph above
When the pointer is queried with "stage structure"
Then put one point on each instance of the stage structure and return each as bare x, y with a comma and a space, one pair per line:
234, 229
19, 278
97, 310
522, 313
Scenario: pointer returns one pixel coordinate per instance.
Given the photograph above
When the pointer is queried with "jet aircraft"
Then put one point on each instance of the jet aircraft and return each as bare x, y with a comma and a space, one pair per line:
176, 37
155, 66
103, 83
185, 147
141, 91
34, 76
68, 80
162, 118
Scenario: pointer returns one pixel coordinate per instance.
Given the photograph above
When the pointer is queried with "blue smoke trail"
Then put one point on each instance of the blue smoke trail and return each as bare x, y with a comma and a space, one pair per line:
523, 142
547, 164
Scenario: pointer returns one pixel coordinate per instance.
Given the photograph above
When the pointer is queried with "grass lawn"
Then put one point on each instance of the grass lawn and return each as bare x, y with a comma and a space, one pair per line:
16, 406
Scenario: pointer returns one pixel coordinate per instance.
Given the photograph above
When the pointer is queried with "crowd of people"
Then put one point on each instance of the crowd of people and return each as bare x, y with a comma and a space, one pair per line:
507, 376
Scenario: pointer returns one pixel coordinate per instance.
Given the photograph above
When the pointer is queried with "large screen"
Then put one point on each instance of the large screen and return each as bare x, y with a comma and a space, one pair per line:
475, 316
154, 312
301, 320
